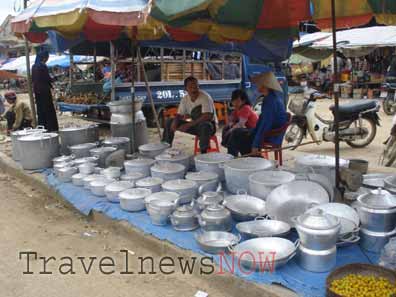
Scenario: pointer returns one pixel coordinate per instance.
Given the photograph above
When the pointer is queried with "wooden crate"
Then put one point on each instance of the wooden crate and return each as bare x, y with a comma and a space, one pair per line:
174, 71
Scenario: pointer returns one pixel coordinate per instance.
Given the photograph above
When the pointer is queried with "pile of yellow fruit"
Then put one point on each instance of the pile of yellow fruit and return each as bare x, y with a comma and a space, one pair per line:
356, 285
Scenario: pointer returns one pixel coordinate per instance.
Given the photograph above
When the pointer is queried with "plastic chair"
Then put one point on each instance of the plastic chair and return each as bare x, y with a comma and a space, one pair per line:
212, 149
221, 112
267, 146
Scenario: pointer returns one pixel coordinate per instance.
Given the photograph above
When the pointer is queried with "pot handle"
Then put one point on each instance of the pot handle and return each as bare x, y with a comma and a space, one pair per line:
201, 222
353, 239
297, 243
262, 218
312, 170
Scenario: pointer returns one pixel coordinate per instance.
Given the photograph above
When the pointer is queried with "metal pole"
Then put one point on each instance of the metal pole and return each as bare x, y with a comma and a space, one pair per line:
133, 48
336, 96
95, 64
112, 71
29, 77
71, 62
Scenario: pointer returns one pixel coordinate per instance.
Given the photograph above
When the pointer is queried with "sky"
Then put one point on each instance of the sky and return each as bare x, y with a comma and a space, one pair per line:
6, 8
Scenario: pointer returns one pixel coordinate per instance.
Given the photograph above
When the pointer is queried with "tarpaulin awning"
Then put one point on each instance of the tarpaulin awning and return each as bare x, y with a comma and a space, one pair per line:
308, 39
64, 60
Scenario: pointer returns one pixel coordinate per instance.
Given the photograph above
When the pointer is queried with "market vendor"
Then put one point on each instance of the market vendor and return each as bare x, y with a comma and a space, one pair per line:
18, 115
196, 115
273, 116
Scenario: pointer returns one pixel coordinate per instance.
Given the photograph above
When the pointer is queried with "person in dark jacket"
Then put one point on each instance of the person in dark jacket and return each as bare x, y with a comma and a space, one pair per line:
42, 84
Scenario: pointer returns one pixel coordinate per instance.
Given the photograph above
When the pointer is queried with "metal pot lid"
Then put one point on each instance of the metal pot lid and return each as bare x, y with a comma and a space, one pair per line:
63, 164
169, 196
215, 210
111, 170
184, 211
153, 146
116, 140
119, 186
103, 149
179, 184
101, 182
250, 163
136, 193
38, 136
67, 169
168, 168
86, 160
92, 177
272, 178
77, 128
149, 182
319, 160
214, 158
319, 220
378, 199
172, 155
340, 210
61, 159
79, 176
133, 176
139, 162
201, 176
390, 181
210, 197
83, 146
25, 132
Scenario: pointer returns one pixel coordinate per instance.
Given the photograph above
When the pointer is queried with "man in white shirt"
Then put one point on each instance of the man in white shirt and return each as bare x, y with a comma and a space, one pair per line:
198, 107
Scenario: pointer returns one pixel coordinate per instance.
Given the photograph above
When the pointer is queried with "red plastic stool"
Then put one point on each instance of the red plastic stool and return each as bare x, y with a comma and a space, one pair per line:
211, 149
277, 153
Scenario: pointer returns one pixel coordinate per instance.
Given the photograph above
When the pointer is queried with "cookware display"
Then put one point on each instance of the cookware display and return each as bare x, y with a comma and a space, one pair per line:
75, 135
215, 217
141, 165
184, 219
175, 156
212, 162
244, 207
262, 227
262, 183
82, 150
216, 242
187, 189
134, 199
168, 171
152, 183
15, 135
151, 150
113, 190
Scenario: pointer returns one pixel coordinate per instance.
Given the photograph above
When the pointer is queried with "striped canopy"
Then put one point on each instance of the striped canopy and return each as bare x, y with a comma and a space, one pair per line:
353, 13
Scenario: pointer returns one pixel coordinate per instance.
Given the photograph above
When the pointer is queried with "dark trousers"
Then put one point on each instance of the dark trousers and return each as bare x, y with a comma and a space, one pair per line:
240, 141
10, 117
46, 113
204, 131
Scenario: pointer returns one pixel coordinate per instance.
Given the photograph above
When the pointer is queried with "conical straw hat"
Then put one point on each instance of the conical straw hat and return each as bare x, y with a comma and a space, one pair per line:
268, 80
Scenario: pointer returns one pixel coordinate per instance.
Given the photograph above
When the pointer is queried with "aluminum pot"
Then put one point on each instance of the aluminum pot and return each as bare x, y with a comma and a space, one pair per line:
124, 106
59, 166
204, 178
317, 230
38, 150
168, 171
152, 183
175, 156
375, 241
187, 189
184, 219
262, 183
86, 168
15, 135
81, 161
122, 143
316, 261
377, 211
215, 217
102, 153
132, 177
78, 179
152, 150
160, 206
114, 189
65, 174
168, 196
134, 199
212, 162
89, 178
70, 136
139, 165
206, 199
237, 172
63, 159
112, 172
98, 186
82, 150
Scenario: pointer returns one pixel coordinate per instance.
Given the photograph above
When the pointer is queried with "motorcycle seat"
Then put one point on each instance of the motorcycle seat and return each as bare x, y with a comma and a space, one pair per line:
355, 107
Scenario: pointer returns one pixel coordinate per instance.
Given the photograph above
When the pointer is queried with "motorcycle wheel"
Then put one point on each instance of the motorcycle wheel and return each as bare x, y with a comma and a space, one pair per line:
293, 136
372, 131
389, 154
389, 105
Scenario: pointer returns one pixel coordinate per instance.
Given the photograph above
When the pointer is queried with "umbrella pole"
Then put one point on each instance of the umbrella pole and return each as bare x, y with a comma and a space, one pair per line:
29, 82
150, 95
336, 90
133, 48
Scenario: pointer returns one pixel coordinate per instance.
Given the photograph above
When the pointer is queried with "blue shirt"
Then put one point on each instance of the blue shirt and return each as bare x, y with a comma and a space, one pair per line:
273, 116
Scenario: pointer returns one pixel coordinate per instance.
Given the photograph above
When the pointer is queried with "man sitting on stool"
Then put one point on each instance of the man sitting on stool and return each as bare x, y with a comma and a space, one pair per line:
18, 116
198, 106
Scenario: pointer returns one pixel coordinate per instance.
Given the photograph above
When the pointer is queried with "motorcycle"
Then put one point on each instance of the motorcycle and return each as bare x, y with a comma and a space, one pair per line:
358, 122
388, 94
389, 154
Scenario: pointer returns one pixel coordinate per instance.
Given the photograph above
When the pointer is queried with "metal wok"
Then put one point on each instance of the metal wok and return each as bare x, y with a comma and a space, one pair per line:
244, 207
262, 227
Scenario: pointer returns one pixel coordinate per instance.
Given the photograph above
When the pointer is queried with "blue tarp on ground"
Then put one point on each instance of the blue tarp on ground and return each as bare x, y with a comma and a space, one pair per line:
291, 275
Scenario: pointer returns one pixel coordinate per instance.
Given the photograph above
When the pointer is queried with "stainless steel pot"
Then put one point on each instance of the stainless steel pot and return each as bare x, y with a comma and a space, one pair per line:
86, 168
114, 189
168, 171
139, 165
15, 135
65, 174
82, 150
152, 183
124, 106
62, 165
122, 143
133, 177
316, 261
175, 156
102, 153
206, 199
377, 211
89, 178
317, 230
152, 150
63, 159
134, 199
262, 183
168, 196
203, 178
112, 172
215, 218
187, 189
38, 150
81, 161
98, 186
160, 210
71, 136
184, 219
212, 162
78, 179
375, 241
237, 172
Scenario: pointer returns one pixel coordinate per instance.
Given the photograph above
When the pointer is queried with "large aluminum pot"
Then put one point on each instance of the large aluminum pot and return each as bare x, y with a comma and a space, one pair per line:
62, 159
98, 186
204, 178
122, 143
377, 211
139, 165
152, 150
375, 241
212, 162
237, 172
82, 150
168, 171
16, 150
215, 217
175, 156
134, 199
38, 150
152, 183
124, 106
187, 189
70, 136
65, 174
102, 153
113, 190
316, 261
262, 183
317, 230
206, 199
